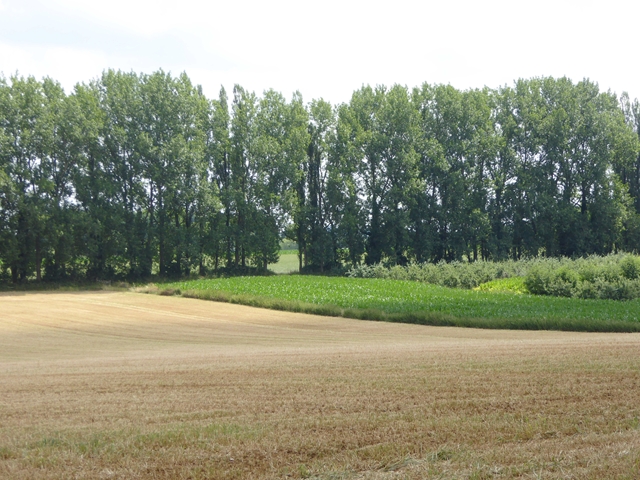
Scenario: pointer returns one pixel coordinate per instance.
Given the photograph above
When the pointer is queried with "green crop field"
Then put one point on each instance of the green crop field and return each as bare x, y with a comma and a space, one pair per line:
395, 300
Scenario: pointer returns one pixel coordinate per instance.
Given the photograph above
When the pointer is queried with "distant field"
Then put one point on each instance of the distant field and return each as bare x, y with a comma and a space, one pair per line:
287, 263
106, 385
400, 300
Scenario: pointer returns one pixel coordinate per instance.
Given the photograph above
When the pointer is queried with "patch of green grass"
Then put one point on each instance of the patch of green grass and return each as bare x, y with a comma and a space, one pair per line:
288, 262
413, 302
289, 252
511, 285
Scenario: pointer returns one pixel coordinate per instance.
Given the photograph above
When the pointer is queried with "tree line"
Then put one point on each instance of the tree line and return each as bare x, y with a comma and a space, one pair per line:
135, 174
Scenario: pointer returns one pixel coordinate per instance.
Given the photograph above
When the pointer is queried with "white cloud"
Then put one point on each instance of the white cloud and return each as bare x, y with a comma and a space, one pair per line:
66, 65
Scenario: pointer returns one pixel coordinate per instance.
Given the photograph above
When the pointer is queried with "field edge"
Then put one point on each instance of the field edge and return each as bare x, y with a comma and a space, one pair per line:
437, 319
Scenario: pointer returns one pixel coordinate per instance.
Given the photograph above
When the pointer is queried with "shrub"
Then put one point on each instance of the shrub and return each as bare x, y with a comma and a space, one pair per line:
453, 275
620, 289
563, 282
609, 277
630, 267
537, 280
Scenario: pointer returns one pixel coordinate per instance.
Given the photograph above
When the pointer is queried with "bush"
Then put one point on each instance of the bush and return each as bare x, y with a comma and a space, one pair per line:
630, 267
537, 280
610, 277
620, 289
453, 275
563, 282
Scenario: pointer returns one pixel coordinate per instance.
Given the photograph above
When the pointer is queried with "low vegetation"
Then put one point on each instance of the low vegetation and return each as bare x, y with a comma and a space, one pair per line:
452, 274
613, 277
412, 302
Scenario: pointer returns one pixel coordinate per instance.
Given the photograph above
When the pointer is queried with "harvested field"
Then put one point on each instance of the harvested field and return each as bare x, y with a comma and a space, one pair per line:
123, 385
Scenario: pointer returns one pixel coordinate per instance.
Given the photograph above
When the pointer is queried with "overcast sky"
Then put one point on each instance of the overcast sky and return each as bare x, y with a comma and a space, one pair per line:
325, 49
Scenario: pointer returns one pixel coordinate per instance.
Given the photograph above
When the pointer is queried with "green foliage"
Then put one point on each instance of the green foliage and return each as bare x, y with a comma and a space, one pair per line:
630, 267
615, 277
561, 282
511, 285
136, 174
454, 274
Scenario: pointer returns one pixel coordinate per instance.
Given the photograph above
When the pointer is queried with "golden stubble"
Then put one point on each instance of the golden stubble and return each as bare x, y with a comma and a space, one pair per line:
124, 385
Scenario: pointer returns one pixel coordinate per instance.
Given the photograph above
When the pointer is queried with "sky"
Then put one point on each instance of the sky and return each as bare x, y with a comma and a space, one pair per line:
325, 49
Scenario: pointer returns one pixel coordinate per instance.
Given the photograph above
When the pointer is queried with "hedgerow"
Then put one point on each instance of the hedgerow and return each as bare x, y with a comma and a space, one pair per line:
614, 277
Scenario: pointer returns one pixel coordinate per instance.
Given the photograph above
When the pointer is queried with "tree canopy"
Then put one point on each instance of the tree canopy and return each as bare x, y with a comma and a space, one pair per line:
134, 174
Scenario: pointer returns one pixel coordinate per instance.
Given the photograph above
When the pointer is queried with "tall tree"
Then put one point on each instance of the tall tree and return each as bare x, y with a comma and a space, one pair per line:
314, 231
627, 166
124, 234
24, 128
244, 108
222, 238
457, 147
377, 129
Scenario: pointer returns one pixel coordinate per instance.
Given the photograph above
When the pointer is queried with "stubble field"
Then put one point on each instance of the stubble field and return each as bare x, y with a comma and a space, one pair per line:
124, 385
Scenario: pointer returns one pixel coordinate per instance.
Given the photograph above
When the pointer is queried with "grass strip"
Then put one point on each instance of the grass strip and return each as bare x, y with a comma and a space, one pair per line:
64, 286
411, 302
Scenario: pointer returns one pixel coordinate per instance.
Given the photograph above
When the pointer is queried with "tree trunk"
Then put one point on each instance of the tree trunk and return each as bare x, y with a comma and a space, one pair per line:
38, 259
